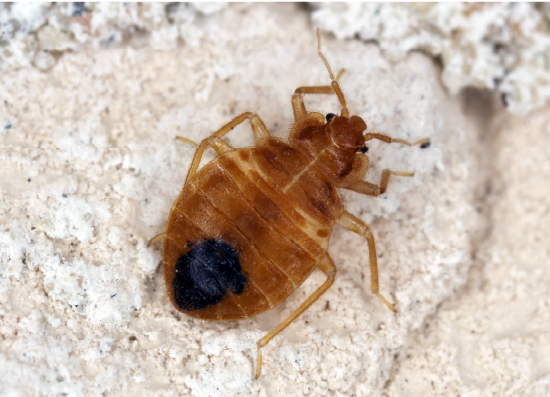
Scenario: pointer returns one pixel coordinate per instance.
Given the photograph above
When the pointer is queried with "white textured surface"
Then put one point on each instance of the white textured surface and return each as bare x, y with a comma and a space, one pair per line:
502, 47
493, 340
90, 169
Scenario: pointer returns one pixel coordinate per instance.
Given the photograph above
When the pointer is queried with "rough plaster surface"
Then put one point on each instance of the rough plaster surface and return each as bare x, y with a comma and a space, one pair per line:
502, 47
493, 339
90, 169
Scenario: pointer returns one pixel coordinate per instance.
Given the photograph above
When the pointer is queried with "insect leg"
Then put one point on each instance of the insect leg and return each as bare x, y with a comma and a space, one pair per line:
424, 143
188, 141
298, 99
156, 239
327, 266
371, 189
258, 128
334, 84
356, 225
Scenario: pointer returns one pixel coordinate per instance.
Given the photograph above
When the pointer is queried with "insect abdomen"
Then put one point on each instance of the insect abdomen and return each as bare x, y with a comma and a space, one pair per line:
206, 273
269, 206
297, 177
213, 207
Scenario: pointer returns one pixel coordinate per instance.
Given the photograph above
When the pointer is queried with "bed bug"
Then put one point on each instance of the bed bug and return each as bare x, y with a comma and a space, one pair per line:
251, 226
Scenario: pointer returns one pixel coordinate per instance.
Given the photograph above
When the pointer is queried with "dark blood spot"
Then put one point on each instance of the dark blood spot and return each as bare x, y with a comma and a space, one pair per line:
329, 116
426, 145
204, 274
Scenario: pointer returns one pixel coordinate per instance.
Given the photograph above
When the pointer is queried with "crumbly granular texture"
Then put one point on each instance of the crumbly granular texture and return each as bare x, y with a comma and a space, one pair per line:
502, 47
492, 339
90, 169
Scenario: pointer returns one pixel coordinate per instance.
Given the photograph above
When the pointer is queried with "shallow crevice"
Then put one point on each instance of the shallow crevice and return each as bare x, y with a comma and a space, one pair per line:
481, 109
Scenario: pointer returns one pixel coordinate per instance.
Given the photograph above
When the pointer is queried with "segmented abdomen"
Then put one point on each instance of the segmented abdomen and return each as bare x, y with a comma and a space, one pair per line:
271, 207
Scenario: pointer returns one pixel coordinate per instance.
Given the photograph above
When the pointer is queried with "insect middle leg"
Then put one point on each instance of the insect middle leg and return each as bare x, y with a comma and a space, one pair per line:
258, 128
356, 225
327, 266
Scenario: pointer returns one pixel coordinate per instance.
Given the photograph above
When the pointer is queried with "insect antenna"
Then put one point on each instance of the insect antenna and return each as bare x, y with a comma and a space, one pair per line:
334, 83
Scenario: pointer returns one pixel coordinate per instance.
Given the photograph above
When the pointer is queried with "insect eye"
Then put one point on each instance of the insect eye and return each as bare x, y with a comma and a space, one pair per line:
329, 116
364, 149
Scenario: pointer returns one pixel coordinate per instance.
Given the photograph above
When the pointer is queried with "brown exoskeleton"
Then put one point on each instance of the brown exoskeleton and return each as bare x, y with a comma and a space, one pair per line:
251, 226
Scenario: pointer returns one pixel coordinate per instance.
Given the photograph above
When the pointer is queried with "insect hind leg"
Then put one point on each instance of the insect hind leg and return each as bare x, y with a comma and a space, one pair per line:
326, 265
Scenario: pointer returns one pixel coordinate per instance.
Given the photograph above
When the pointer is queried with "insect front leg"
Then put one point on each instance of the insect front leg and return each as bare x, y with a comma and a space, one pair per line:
356, 225
371, 189
326, 265
334, 88
297, 99
258, 128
